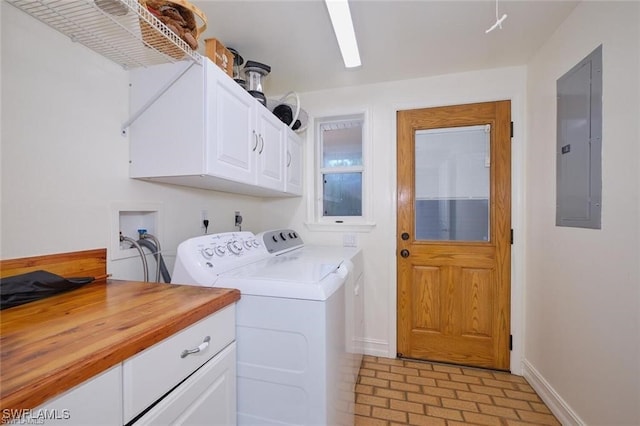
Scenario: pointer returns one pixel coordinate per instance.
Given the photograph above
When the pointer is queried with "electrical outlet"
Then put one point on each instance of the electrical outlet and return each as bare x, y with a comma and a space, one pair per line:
204, 215
238, 219
204, 222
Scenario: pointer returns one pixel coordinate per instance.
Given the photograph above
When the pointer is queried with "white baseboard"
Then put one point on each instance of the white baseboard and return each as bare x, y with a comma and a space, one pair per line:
375, 347
554, 401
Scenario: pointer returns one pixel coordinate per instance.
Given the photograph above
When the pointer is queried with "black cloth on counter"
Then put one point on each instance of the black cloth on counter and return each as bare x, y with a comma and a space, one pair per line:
36, 285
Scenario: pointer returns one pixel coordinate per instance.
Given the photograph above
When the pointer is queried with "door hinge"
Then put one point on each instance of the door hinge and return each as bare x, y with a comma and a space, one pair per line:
511, 129
511, 237
511, 342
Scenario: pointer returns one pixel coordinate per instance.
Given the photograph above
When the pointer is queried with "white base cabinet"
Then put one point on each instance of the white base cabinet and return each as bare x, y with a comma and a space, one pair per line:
206, 131
153, 372
98, 401
159, 386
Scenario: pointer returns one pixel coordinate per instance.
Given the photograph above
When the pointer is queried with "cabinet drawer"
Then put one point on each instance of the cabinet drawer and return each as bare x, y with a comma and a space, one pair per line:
208, 397
153, 372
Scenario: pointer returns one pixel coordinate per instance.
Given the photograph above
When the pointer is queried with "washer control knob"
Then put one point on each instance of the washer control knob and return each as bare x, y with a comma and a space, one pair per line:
248, 244
207, 253
282, 237
220, 250
255, 243
275, 239
234, 247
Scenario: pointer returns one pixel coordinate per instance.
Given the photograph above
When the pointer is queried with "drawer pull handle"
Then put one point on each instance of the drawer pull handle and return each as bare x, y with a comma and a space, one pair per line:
202, 347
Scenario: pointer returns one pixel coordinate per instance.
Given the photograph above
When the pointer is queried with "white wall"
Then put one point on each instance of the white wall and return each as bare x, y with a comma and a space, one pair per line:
64, 162
381, 101
583, 286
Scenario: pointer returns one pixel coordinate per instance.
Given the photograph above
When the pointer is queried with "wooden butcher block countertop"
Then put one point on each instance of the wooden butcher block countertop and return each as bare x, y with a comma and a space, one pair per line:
54, 344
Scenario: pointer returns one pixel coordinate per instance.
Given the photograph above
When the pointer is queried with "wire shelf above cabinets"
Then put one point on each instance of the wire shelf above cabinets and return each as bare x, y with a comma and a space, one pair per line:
123, 31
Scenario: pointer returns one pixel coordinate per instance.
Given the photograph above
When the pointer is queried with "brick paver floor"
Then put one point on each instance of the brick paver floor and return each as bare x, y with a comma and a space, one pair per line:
394, 392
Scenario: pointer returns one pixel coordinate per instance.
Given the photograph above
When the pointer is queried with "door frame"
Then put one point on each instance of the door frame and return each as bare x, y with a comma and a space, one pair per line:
517, 222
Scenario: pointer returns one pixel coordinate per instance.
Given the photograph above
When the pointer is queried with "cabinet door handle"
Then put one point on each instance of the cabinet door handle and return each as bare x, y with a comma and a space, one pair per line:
255, 137
204, 345
288, 158
262, 145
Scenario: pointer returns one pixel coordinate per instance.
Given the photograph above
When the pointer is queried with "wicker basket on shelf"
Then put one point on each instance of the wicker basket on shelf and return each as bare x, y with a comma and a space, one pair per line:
171, 46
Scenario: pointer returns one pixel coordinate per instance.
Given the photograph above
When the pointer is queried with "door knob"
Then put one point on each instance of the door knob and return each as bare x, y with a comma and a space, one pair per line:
404, 236
404, 253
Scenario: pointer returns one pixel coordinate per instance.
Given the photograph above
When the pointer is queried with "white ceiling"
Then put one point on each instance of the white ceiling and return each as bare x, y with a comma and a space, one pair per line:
397, 39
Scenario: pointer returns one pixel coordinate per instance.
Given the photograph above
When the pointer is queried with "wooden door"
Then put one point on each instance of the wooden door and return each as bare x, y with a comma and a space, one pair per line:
453, 236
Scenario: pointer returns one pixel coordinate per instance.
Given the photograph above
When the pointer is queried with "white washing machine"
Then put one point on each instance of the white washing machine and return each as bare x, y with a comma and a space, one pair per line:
299, 322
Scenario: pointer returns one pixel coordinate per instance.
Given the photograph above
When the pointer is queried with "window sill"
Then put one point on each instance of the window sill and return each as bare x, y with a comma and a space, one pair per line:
340, 227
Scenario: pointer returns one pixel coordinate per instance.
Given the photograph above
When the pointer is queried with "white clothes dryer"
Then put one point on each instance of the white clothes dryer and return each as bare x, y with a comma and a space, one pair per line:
299, 322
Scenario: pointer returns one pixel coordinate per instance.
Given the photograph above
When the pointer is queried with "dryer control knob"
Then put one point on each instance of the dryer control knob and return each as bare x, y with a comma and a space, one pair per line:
220, 250
248, 244
282, 236
207, 253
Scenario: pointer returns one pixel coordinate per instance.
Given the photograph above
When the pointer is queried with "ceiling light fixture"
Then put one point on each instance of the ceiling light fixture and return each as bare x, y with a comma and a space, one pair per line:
343, 27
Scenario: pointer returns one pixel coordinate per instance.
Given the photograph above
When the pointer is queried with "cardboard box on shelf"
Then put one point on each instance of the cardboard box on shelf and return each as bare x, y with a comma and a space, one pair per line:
219, 55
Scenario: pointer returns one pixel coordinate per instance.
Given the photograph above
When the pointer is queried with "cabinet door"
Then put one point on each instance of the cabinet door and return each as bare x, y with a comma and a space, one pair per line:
293, 164
207, 397
270, 151
98, 401
168, 138
230, 124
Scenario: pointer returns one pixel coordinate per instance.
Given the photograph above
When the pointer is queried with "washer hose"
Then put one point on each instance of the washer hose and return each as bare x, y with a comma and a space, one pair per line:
144, 235
133, 242
161, 266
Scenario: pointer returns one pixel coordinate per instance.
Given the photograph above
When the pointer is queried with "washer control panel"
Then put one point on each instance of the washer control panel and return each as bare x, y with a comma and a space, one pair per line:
224, 251
202, 259
280, 240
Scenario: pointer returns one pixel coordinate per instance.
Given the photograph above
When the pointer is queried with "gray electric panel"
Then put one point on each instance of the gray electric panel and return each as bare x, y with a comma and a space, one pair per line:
579, 144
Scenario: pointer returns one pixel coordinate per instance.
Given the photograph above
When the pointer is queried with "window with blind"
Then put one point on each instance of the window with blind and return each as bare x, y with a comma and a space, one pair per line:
340, 168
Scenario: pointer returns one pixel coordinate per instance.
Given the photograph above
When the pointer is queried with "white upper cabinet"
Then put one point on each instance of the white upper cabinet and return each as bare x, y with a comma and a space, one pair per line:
293, 164
271, 138
205, 131
229, 129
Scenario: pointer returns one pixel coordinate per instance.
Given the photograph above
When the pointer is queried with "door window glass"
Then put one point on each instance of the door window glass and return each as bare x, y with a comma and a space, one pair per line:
452, 192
